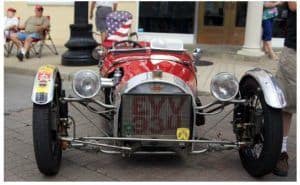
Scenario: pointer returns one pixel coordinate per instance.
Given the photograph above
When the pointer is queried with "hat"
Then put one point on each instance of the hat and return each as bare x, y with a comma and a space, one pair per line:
39, 7
11, 10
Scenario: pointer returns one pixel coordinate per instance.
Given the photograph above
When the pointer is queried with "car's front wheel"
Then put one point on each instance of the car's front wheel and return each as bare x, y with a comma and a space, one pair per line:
261, 126
46, 127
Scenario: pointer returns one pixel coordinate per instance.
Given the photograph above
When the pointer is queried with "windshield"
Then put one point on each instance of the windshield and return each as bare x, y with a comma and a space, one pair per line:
166, 44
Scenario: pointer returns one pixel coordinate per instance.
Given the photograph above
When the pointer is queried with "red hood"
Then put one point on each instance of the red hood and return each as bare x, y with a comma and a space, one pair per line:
177, 63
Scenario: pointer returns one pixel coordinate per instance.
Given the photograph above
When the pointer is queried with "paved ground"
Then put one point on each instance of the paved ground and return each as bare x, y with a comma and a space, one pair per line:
78, 165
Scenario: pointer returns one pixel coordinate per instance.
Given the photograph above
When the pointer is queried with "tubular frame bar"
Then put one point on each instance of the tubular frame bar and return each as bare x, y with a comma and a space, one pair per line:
82, 139
72, 99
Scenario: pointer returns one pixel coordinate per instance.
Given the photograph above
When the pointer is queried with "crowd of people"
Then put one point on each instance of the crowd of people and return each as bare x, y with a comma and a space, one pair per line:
22, 35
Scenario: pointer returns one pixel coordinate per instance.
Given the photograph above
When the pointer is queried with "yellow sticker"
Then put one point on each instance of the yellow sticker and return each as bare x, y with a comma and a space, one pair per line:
42, 89
183, 133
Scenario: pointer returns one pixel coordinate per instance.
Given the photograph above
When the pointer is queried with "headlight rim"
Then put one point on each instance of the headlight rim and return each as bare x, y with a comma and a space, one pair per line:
99, 82
214, 93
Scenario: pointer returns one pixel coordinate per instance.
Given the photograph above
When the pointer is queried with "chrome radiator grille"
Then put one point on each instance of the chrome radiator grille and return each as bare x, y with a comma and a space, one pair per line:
154, 115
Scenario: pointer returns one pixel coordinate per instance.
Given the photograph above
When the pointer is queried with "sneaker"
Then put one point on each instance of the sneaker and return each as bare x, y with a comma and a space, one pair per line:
20, 56
282, 165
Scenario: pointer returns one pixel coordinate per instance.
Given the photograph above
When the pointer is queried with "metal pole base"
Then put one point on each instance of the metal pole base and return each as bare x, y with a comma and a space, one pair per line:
80, 45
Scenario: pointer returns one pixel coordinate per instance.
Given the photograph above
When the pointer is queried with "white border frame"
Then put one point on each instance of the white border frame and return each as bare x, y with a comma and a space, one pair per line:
51, 3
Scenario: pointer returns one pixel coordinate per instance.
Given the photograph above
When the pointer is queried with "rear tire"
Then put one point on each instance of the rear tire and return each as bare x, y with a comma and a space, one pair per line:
269, 136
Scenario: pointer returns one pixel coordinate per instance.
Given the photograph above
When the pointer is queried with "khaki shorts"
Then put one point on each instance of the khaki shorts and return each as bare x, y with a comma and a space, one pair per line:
287, 78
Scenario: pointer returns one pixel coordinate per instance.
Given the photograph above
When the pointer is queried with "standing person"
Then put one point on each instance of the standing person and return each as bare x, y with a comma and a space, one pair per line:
33, 29
269, 13
104, 8
287, 77
10, 22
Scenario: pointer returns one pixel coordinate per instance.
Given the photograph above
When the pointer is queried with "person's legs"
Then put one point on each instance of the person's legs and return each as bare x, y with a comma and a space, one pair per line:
16, 39
27, 38
271, 53
286, 76
103, 36
267, 37
264, 36
265, 49
287, 119
28, 41
269, 43
282, 165
101, 15
27, 44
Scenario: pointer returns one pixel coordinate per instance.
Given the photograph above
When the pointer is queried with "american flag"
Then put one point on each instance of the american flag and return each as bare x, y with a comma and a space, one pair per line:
118, 25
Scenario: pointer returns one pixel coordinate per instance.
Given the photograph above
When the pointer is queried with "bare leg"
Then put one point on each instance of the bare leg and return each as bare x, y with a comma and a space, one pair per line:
270, 50
16, 40
265, 49
287, 119
27, 44
103, 36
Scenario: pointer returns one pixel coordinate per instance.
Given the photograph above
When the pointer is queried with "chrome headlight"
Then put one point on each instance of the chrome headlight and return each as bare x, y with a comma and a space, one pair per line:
86, 83
224, 86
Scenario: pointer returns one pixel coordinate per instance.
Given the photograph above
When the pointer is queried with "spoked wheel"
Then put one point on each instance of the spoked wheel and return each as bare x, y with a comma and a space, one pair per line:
46, 131
261, 126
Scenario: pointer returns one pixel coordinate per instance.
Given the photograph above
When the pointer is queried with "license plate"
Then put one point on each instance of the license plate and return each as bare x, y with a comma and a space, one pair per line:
155, 115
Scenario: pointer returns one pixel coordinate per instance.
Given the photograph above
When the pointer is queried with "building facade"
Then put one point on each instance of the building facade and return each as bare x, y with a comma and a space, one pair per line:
224, 23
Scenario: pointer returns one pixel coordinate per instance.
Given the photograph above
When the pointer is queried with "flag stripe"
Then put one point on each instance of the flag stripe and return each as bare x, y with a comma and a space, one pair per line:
119, 24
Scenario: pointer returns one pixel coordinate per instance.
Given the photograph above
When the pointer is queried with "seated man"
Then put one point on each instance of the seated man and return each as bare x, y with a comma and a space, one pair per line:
33, 29
10, 23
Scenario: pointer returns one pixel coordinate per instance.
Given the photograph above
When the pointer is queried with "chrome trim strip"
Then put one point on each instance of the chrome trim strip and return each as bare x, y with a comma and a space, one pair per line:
160, 140
148, 78
131, 49
140, 152
96, 143
71, 99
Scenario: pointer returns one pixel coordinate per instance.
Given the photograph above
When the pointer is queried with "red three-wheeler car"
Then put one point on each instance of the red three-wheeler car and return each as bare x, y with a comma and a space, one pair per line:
147, 94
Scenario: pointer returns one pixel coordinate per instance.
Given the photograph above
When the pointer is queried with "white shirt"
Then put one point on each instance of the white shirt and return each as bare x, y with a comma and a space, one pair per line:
107, 3
8, 22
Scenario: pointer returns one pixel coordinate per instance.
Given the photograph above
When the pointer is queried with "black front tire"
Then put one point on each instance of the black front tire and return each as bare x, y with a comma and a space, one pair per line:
46, 128
272, 134
47, 147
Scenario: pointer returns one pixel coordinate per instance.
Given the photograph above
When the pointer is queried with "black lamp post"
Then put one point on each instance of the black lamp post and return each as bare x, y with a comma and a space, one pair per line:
81, 42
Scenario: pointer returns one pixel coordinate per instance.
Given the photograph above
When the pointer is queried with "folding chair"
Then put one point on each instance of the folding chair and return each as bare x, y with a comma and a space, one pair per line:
9, 45
39, 44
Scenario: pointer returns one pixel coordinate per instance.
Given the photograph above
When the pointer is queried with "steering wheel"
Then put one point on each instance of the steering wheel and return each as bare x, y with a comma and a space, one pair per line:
127, 43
